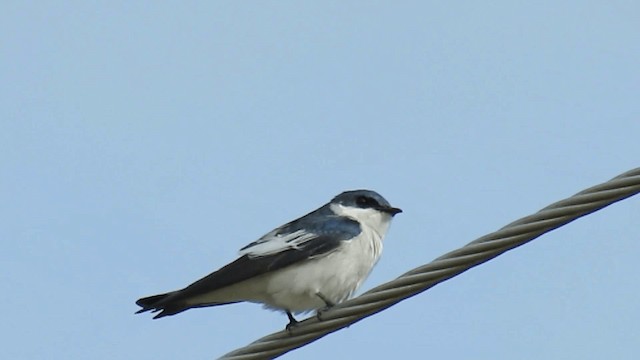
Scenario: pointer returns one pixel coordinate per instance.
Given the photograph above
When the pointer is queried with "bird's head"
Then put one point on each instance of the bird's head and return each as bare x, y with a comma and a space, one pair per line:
365, 206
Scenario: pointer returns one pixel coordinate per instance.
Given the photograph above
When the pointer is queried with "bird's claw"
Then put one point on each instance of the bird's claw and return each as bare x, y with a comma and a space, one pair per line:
328, 305
292, 322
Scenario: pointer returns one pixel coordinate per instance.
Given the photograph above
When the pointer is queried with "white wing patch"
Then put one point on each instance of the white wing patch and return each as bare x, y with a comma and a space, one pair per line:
275, 243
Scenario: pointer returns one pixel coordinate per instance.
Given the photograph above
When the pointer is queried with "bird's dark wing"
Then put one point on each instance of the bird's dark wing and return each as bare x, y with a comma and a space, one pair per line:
278, 249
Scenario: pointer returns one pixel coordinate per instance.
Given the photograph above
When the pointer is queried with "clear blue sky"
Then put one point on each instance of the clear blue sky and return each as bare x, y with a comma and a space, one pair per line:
142, 144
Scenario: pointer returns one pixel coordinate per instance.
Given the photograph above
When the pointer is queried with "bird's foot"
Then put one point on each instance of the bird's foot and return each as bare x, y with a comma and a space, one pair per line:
292, 322
328, 305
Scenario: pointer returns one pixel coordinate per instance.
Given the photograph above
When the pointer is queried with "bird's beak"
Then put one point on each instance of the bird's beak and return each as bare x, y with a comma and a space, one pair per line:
390, 210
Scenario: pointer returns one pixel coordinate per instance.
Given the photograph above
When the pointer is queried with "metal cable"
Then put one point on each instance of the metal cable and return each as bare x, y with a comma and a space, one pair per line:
445, 267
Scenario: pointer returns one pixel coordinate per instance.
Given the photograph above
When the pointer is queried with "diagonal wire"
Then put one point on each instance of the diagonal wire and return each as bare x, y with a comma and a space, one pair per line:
445, 267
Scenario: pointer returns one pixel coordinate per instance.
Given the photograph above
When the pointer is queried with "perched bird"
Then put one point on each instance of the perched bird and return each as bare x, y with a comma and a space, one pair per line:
311, 263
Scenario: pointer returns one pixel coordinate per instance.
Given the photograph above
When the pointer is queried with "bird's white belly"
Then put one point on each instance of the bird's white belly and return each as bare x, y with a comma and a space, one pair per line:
335, 276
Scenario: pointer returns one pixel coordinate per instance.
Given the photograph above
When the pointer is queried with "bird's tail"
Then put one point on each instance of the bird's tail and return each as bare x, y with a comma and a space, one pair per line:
148, 302
170, 303
160, 302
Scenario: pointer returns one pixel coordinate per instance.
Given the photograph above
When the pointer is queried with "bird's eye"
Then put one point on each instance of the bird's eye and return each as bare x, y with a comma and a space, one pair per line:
364, 201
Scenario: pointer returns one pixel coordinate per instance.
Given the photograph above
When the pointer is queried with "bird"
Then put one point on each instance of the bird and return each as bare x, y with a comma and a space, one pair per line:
309, 264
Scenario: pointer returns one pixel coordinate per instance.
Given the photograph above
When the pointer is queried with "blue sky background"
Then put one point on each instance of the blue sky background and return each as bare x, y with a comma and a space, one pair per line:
142, 144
